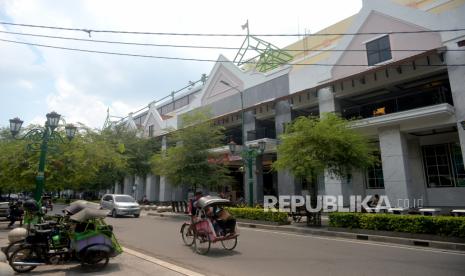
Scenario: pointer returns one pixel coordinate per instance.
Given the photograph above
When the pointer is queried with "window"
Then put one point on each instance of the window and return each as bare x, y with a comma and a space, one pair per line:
375, 178
378, 50
443, 165
151, 131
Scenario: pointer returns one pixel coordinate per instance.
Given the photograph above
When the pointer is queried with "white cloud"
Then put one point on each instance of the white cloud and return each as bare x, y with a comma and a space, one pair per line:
78, 106
81, 86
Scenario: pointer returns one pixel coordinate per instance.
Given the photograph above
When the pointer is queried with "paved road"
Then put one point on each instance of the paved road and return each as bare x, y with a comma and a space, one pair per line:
261, 252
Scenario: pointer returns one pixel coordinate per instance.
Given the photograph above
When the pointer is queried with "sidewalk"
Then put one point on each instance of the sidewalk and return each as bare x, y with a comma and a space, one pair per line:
128, 263
357, 234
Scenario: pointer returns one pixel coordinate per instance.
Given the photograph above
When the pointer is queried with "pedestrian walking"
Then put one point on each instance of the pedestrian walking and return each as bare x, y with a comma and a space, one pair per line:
16, 213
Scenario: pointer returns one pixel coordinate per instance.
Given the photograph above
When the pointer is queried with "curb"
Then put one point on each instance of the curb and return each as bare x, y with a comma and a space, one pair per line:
364, 237
167, 265
347, 235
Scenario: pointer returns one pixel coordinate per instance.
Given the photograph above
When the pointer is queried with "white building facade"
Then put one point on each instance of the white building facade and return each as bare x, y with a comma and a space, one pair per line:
402, 84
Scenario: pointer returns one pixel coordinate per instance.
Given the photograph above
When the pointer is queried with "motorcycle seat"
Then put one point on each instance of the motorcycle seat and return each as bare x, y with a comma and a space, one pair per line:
44, 231
42, 225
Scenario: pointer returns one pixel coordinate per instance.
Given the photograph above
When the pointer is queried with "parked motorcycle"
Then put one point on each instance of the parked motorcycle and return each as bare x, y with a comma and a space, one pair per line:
82, 235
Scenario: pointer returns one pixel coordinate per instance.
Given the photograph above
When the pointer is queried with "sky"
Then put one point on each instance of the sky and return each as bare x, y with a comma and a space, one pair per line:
81, 86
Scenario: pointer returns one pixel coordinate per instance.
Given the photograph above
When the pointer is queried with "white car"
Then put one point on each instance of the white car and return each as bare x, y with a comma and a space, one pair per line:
120, 205
4, 209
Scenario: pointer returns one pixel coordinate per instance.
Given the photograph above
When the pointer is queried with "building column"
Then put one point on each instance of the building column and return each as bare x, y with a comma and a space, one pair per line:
139, 182
326, 101
394, 158
117, 189
165, 187
417, 188
152, 187
457, 85
334, 186
286, 181
127, 186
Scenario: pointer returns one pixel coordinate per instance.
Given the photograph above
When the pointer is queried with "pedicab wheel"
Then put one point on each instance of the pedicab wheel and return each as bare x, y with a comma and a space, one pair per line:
229, 244
22, 254
187, 234
202, 242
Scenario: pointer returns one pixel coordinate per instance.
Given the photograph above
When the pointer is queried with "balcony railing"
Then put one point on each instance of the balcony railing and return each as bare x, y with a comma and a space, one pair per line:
397, 104
260, 133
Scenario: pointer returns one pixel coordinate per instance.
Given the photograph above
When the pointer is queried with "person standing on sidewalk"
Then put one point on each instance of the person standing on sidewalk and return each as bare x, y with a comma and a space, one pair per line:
16, 213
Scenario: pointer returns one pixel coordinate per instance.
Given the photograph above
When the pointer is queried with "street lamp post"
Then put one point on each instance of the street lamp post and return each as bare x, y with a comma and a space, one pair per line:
248, 153
42, 139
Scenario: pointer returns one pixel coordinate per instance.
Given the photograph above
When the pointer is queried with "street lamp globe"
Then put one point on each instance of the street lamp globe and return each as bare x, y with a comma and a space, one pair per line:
15, 125
261, 146
70, 130
53, 119
232, 147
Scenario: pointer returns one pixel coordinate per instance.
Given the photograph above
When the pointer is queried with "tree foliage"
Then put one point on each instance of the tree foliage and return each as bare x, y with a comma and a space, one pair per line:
92, 161
311, 145
191, 162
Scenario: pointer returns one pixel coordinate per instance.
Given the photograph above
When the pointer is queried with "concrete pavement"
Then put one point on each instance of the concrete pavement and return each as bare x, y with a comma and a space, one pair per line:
129, 263
448, 243
265, 252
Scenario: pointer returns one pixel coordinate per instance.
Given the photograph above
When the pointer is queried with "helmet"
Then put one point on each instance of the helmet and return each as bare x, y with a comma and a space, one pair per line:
31, 205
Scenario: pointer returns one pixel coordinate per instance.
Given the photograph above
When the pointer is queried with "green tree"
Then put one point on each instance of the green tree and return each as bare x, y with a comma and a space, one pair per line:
191, 163
311, 145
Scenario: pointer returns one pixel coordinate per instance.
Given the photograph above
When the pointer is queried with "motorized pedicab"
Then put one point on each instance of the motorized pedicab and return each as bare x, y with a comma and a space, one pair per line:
208, 226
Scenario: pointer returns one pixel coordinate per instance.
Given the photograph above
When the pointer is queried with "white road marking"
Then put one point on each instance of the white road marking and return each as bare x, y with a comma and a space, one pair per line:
373, 243
164, 264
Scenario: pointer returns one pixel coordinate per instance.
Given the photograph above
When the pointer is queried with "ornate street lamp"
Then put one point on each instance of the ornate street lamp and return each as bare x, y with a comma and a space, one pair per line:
232, 147
15, 126
53, 119
249, 153
42, 139
70, 131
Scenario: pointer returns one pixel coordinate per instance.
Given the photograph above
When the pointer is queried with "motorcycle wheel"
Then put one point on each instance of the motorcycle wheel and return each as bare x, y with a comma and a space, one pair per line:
95, 259
12, 247
22, 254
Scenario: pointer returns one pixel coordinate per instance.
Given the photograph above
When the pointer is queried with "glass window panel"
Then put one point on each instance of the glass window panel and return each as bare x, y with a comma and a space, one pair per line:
373, 59
371, 174
440, 149
375, 175
385, 55
442, 160
432, 170
461, 182
429, 151
372, 46
438, 166
431, 160
384, 43
444, 170
433, 181
445, 181
381, 183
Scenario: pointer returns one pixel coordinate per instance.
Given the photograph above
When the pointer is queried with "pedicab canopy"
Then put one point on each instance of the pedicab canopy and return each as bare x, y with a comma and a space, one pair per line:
78, 205
206, 201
